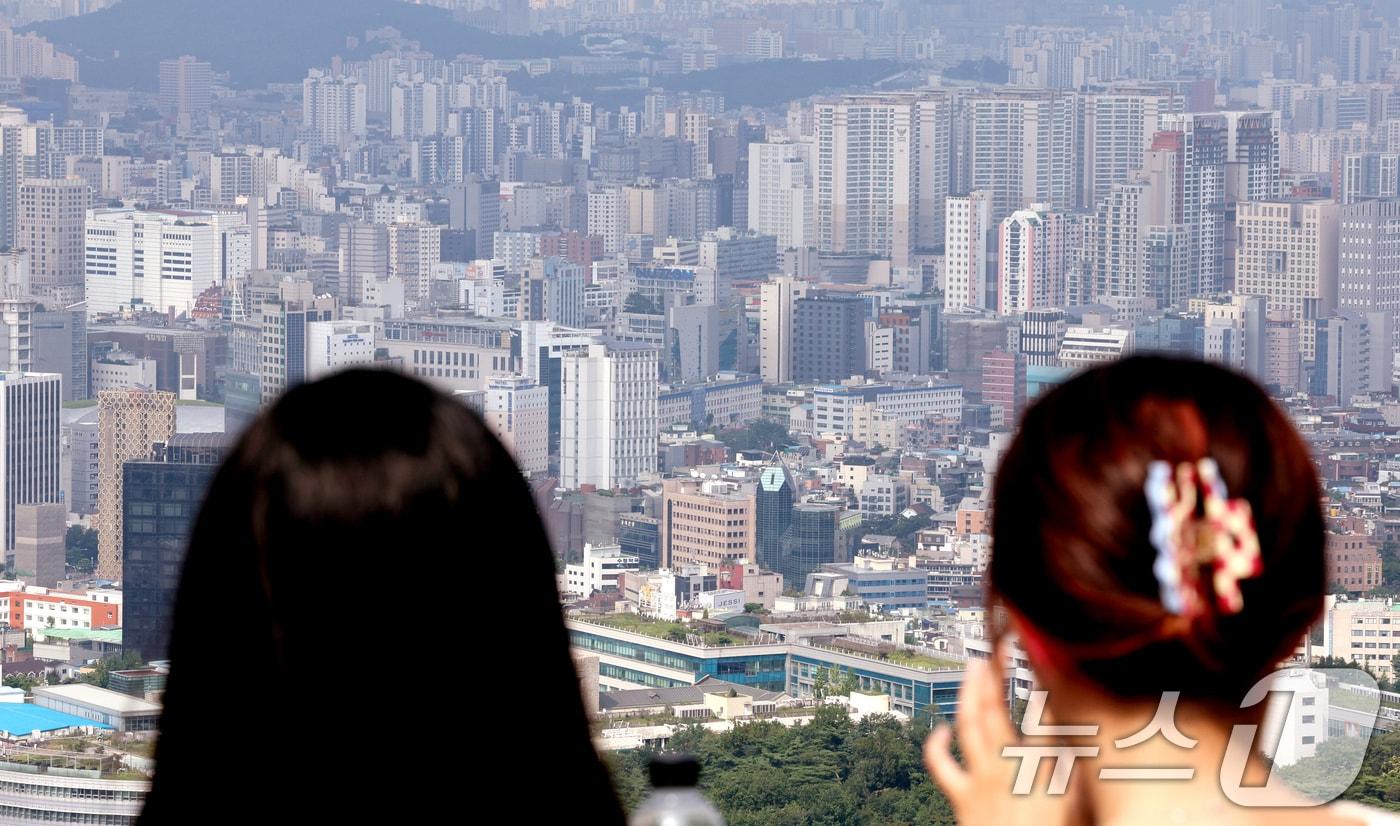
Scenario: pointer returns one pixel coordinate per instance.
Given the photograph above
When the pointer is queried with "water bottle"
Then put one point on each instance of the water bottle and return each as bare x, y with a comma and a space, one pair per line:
674, 800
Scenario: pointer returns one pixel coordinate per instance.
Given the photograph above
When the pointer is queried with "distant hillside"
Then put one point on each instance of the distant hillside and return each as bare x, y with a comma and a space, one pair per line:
770, 83
261, 41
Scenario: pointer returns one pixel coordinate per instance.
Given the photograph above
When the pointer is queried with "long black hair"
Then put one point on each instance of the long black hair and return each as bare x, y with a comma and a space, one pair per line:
368, 626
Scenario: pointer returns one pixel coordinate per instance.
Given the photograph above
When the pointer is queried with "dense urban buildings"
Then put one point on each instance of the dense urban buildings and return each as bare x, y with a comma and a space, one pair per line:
754, 294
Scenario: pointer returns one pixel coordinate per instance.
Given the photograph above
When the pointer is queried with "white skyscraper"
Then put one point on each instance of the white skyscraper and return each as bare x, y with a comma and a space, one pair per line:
780, 192
775, 316
160, 260
1033, 257
965, 251
608, 415
881, 174
31, 428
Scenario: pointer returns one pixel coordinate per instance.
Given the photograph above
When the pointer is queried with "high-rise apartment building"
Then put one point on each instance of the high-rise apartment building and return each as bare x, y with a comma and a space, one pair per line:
965, 253
1018, 147
1288, 253
881, 174
129, 422
780, 192
1116, 129
1222, 158
414, 249
1034, 247
608, 415
333, 108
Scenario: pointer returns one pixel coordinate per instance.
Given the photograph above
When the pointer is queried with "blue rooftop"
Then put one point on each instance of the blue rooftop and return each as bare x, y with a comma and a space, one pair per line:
23, 718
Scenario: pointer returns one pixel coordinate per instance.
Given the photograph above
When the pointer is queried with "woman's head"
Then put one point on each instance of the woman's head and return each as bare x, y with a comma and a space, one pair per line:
365, 541
1073, 559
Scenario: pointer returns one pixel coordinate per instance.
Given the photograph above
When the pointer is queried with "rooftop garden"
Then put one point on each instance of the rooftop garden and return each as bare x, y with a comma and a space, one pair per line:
664, 629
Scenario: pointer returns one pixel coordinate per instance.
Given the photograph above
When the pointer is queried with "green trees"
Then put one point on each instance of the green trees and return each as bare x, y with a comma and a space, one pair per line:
829, 771
80, 546
760, 435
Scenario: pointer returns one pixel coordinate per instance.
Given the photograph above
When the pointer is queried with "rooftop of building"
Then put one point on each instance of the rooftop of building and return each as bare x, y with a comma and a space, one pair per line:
19, 719
621, 701
91, 695
109, 635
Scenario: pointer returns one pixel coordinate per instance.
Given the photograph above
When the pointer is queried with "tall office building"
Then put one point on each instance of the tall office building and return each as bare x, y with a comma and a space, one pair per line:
29, 464
965, 253
772, 514
364, 258
129, 422
780, 192
333, 108
517, 411
881, 174
1368, 268
828, 338
608, 415
161, 491
61, 346
1018, 146
1033, 261
474, 208
49, 224
280, 314
39, 557
186, 86
1352, 355
777, 303
160, 260
705, 522
1288, 253
814, 537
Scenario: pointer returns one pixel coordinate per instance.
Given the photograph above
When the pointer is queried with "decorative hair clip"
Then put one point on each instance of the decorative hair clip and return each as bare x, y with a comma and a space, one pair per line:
1194, 525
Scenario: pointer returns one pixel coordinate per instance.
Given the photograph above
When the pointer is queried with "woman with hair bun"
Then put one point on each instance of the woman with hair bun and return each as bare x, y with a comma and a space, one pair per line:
1158, 552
